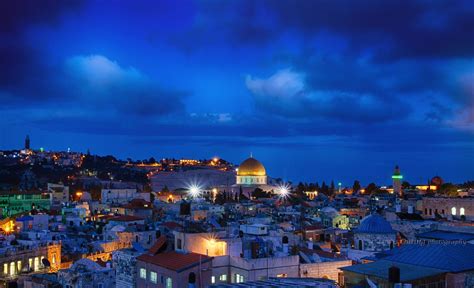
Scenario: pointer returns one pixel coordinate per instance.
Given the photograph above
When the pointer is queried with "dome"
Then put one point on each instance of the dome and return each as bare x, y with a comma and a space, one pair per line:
375, 224
251, 167
438, 181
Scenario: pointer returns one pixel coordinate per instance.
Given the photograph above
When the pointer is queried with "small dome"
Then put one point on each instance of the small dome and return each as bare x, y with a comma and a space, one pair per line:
375, 224
251, 167
438, 181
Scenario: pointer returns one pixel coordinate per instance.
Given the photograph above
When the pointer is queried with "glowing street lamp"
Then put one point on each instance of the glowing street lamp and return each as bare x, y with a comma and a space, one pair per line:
283, 191
194, 191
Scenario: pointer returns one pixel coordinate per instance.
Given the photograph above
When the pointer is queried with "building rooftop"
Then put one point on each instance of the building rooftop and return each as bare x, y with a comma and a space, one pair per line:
446, 235
175, 261
375, 224
380, 268
283, 282
449, 257
126, 218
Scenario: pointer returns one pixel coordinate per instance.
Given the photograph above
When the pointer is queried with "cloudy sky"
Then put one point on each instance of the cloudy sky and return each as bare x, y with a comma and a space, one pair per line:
316, 90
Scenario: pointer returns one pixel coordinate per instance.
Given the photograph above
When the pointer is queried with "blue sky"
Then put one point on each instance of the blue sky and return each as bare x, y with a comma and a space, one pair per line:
316, 90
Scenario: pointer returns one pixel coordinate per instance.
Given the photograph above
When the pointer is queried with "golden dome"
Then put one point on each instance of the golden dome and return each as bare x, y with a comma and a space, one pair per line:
251, 167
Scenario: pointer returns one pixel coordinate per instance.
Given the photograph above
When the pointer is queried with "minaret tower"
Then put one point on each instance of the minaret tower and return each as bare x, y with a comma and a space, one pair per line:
397, 182
27, 142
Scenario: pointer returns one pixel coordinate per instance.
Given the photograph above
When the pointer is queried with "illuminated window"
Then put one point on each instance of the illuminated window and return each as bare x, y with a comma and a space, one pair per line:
36, 267
223, 277
453, 211
239, 278
283, 275
461, 211
41, 262
30, 263
143, 273
18, 266
53, 258
12, 268
213, 279
153, 277
169, 283
5, 268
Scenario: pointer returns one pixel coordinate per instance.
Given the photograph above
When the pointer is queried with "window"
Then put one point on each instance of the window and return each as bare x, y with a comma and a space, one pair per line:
461, 211
223, 277
239, 278
143, 273
5, 268
282, 275
18, 266
100, 285
30, 264
12, 268
179, 245
453, 211
169, 283
213, 279
153, 277
36, 268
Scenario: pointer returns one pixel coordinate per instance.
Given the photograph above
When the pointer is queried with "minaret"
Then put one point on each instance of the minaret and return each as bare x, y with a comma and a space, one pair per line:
397, 182
27, 142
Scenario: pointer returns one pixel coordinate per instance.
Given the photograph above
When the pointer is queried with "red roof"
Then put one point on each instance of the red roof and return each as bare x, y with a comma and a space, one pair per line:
158, 245
126, 218
313, 227
174, 261
171, 225
138, 204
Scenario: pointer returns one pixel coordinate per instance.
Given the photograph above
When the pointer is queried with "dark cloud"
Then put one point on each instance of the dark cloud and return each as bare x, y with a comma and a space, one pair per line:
19, 59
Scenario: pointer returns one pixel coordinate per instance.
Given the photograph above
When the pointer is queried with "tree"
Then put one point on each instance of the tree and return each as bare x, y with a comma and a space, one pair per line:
356, 186
448, 189
371, 188
406, 185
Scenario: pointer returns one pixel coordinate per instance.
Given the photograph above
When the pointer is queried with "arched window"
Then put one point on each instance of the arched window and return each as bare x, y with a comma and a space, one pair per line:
192, 278
453, 211
360, 244
461, 211
391, 245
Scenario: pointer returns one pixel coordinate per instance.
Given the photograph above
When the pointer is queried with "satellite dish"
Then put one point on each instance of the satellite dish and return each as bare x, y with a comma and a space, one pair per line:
138, 247
45, 262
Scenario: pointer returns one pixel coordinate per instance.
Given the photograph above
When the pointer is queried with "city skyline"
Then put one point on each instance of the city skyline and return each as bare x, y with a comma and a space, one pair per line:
339, 91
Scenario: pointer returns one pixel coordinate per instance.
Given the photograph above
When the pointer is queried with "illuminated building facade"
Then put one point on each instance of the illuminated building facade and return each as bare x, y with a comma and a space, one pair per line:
25, 259
251, 172
12, 202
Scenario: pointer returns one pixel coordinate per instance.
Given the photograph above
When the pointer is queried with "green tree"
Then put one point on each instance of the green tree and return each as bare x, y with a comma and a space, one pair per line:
448, 189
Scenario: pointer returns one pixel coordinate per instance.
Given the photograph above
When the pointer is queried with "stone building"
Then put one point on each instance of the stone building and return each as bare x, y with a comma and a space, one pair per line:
32, 258
448, 207
87, 273
173, 270
374, 234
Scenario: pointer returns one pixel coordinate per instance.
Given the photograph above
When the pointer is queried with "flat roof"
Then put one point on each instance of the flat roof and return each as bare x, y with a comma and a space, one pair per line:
380, 268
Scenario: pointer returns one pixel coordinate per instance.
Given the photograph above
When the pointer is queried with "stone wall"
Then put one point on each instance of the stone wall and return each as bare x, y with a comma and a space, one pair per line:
328, 270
